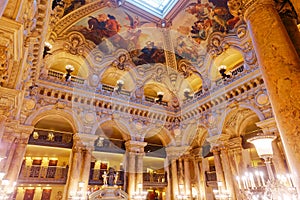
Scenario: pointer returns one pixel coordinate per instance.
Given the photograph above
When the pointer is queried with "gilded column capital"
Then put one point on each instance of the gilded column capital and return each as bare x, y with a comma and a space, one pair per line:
174, 152
268, 126
244, 7
135, 146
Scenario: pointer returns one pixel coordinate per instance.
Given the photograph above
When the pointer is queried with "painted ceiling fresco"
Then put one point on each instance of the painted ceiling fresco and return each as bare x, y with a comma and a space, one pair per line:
117, 28
111, 29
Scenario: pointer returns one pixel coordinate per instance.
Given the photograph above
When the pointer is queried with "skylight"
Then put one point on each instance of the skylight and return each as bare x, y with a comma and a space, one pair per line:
159, 8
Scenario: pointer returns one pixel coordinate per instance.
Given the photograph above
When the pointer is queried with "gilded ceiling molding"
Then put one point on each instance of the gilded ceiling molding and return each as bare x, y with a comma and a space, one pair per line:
67, 21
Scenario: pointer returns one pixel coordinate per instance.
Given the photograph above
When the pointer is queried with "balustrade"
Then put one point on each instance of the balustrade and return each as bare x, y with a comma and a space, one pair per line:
155, 179
43, 174
51, 138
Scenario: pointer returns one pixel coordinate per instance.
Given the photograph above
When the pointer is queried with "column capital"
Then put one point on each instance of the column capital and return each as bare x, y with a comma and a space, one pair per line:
175, 151
218, 140
135, 146
242, 7
268, 125
235, 143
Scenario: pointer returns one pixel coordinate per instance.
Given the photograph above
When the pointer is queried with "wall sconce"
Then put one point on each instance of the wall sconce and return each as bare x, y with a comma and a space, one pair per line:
160, 96
222, 70
69, 69
47, 49
163, 23
119, 2
120, 84
186, 93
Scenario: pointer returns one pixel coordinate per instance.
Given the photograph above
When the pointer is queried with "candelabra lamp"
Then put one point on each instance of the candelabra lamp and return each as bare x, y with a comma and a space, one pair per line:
255, 186
222, 70
80, 194
6, 187
160, 96
186, 93
181, 194
221, 193
120, 84
69, 69
139, 194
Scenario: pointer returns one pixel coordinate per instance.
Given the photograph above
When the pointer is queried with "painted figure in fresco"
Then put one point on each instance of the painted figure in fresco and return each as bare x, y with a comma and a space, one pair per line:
73, 5
212, 16
104, 30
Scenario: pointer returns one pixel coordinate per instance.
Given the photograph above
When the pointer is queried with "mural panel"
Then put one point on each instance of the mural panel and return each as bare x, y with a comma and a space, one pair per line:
113, 28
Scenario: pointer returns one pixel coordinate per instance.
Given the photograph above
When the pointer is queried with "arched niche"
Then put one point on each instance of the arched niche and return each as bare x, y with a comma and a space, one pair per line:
111, 136
54, 122
231, 58
151, 89
112, 75
59, 60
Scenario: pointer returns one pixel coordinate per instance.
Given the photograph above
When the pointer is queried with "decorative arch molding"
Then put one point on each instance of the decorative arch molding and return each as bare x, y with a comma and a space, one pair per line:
192, 131
241, 105
66, 113
163, 134
70, 19
109, 193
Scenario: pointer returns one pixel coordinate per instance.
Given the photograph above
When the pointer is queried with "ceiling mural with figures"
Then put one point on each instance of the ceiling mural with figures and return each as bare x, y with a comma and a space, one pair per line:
130, 37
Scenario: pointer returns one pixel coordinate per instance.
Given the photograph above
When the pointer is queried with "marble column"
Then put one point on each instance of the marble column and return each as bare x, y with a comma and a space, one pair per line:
280, 68
187, 176
238, 167
17, 159
74, 171
85, 172
228, 172
168, 178
278, 159
133, 148
289, 19
200, 179
22, 134
180, 172
174, 178
139, 169
208, 190
218, 166
131, 173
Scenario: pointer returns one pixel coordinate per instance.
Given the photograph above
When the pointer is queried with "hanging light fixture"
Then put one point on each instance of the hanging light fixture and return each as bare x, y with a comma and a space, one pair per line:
255, 186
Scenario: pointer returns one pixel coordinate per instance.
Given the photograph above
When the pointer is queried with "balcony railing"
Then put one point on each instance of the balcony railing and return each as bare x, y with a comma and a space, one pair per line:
155, 179
51, 138
43, 174
211, 179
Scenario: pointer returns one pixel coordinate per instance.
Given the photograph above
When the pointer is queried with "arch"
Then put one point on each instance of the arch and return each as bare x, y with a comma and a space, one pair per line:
162, 133
67, 113
233, 111
119, 125
191, 132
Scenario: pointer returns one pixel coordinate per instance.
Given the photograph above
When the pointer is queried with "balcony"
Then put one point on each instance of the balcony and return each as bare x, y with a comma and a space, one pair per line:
51, 138
43, 174
211, 179
158, 180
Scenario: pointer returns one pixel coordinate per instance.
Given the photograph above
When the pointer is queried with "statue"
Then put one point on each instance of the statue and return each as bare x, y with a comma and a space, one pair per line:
104, 176
111, 176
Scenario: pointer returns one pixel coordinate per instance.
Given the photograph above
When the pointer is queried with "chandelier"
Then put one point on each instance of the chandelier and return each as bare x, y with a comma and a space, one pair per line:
181, 195
255, 186
139, 194
220, 193
6, 187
